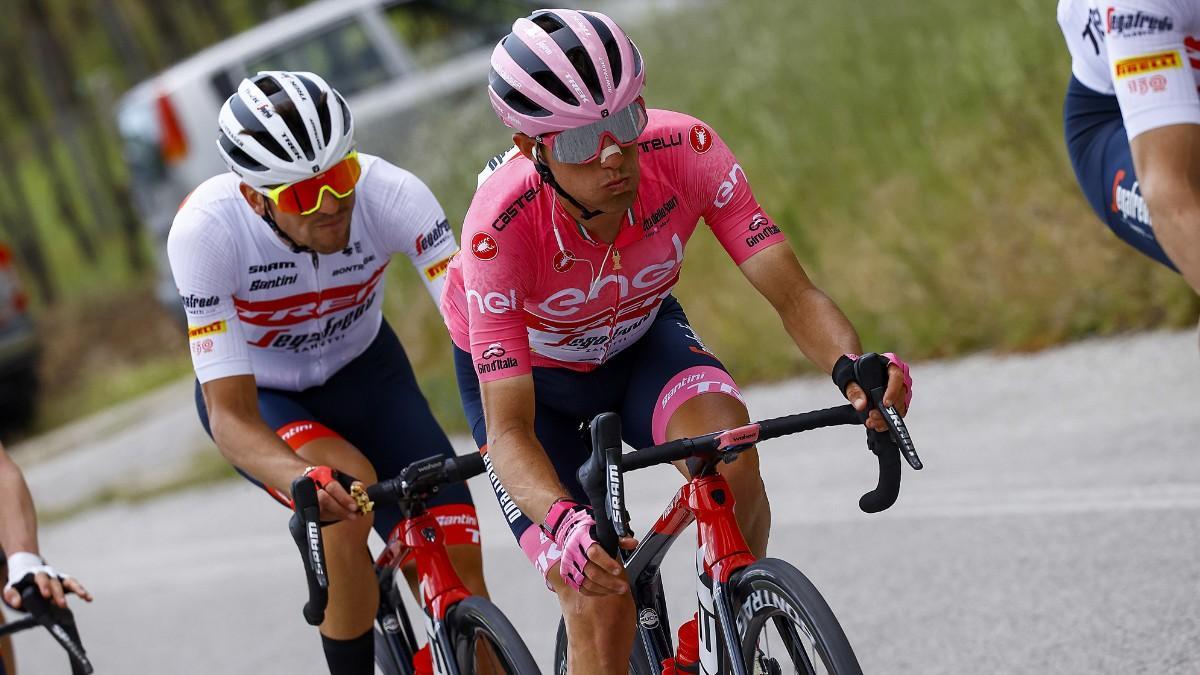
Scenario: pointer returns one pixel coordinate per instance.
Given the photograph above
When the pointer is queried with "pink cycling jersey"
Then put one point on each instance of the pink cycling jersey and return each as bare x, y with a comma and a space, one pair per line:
531, 288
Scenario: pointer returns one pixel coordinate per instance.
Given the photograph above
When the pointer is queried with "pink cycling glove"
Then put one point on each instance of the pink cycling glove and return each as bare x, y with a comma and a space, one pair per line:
841, 377
907, 377
571, 526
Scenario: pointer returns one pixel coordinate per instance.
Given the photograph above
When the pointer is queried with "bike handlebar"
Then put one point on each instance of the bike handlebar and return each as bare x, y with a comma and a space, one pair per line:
416, 482
426, 476
58, 621
601, 475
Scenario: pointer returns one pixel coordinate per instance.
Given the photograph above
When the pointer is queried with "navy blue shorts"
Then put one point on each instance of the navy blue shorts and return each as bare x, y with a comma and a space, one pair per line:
1103, 164
375, 404
644, 384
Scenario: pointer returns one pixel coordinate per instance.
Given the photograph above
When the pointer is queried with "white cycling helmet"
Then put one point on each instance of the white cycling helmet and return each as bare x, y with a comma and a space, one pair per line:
281, 127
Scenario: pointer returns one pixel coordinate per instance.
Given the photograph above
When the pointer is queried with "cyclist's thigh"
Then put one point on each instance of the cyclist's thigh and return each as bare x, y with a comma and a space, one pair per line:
375, 402
1103, 163
672, 366
304, 431
576, 397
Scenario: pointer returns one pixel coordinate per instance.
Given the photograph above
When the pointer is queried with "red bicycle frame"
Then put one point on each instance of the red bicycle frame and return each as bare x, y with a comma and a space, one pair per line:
420, 538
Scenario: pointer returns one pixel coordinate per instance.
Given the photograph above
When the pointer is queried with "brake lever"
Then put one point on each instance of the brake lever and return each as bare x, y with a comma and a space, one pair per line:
870, 370
60, 622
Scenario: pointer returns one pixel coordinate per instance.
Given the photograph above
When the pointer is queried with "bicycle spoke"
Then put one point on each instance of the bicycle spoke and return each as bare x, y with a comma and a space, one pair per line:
785, 648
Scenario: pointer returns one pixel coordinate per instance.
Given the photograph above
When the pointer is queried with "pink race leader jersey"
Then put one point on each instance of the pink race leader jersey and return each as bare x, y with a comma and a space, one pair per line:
531, 288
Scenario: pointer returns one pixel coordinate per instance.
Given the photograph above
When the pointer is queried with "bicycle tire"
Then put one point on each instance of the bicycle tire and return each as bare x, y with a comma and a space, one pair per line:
771, 589
474, 618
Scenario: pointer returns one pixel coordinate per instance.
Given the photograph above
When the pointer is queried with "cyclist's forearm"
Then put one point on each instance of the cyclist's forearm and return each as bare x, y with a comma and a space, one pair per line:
819, 327
18, 518
526, 472
252, 447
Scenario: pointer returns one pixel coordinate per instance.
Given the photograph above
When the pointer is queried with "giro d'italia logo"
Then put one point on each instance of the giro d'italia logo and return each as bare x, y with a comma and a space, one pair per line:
483, 246
700, 138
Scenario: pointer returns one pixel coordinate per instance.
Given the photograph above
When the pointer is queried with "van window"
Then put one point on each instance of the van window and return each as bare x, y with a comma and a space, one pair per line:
138, 126
342, 54
438, 30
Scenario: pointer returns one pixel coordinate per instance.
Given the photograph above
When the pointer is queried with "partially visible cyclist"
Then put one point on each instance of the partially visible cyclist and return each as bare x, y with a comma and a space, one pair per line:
1132, 121
280, 264
562, 308
24, 564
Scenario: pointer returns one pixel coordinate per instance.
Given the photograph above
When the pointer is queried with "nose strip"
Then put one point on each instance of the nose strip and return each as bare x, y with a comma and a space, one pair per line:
609, 151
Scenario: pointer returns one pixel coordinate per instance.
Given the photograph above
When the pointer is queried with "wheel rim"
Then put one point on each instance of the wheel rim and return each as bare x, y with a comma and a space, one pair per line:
774, 643
478, 654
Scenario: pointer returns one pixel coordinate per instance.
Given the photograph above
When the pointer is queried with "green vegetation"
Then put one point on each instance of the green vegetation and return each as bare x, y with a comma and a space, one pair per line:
916, 165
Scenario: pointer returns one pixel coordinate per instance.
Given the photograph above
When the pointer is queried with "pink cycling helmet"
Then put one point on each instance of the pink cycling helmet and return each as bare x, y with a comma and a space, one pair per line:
560, 69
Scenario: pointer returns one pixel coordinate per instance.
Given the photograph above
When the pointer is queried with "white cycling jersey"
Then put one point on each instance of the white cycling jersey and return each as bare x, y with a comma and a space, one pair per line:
1144, 52
292, 320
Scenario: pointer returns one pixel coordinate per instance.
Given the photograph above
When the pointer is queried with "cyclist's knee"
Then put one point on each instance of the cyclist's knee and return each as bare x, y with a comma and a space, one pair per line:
705, 413
744, 474
600, 621
468, 562
346, 535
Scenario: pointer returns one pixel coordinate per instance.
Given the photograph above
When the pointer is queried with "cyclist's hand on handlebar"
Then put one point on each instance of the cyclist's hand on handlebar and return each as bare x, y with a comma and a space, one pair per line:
584, 564
51, 584
898, 393
334, 499
604, 575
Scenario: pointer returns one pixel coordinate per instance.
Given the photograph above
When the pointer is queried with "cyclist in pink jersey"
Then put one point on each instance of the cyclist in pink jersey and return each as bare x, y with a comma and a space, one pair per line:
560, 304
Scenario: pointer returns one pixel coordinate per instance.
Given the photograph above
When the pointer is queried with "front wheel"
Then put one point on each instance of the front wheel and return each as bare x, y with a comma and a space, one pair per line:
485, 642
785, 626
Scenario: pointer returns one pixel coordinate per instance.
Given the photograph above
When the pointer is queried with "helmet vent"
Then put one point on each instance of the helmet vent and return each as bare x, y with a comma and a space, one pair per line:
286, 108
253, 127
568, 41
538, 70
238, 156
518, 101
346, 119
610, 45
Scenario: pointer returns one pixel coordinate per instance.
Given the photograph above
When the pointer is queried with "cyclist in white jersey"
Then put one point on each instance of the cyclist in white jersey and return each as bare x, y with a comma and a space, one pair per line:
1132, 121
280, 265
24, 565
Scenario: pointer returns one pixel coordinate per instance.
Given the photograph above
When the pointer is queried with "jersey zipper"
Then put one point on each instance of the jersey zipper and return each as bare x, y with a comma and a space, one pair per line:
320, 355
616, 268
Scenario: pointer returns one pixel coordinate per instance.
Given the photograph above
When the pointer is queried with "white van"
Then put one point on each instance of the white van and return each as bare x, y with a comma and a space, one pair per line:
388, 57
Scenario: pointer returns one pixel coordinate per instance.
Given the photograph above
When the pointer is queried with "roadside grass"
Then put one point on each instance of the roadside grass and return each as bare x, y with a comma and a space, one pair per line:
205, 468
103, 387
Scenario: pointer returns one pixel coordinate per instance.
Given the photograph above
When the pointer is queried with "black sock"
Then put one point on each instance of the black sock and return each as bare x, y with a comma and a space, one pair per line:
351, 657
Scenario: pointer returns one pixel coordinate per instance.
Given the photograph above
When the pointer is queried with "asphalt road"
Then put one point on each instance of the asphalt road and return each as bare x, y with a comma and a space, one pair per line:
1056, 529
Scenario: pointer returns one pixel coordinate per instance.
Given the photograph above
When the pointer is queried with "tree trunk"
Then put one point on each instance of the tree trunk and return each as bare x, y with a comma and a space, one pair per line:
16, 214
57, 83
121, 35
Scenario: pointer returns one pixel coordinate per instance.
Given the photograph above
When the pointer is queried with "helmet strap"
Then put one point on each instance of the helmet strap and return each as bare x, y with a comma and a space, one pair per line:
547, 177
270, 220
